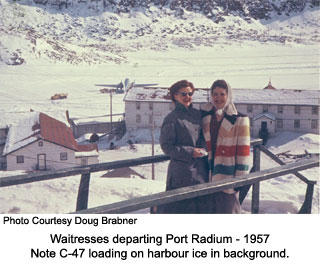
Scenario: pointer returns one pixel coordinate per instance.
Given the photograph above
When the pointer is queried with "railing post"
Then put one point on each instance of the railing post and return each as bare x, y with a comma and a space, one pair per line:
307, 204
83, 193
256, 186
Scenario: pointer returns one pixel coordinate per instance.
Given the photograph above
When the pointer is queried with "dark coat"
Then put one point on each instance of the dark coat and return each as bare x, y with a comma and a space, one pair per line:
180, 134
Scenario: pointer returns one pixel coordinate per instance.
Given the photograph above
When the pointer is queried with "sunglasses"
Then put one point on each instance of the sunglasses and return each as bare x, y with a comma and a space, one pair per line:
184, 94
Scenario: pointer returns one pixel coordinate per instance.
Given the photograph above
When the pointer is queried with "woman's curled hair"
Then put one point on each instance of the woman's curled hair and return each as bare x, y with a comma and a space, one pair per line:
177, 86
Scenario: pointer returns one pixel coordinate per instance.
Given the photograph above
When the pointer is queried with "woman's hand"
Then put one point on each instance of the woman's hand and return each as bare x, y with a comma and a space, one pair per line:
199, 152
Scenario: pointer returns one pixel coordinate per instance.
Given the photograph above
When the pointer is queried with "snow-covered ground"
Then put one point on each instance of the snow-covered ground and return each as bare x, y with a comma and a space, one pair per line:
245, 61
232, 50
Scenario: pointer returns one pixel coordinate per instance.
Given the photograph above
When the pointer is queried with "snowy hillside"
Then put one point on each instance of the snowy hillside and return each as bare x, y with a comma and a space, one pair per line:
95, 32
46, 49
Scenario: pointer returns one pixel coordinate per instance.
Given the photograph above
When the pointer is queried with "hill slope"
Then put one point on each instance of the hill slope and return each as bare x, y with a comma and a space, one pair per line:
102, 31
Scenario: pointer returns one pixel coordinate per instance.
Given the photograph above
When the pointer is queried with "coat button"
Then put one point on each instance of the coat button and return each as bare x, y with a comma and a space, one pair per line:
222, 151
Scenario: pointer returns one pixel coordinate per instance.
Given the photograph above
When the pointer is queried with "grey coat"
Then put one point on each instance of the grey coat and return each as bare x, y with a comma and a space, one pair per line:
180, 134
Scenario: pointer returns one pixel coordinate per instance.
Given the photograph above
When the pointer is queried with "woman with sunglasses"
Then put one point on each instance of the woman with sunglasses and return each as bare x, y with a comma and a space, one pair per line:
227, 135
181, 138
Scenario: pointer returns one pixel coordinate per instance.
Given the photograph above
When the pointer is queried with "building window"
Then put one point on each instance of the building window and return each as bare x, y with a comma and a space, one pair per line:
84, 161
279, 123
63, 156
40, 143
138, 106
150, 119
296, 109
315, 110
249, 108
150, 106
296, 123
314, 124
138, 118
20, 159
280, 109
265, 108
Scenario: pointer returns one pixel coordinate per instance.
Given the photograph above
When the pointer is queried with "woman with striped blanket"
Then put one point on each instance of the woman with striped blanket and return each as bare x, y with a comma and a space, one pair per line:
227, 136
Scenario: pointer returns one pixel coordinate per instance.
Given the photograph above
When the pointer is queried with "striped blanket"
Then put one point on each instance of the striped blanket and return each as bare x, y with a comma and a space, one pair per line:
232, 154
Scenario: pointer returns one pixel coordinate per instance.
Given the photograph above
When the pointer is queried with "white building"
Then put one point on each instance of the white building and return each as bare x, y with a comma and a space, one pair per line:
40, 142
279, 110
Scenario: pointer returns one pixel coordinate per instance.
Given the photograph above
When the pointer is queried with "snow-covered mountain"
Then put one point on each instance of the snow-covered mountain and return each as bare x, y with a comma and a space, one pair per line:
104, 31
258, 9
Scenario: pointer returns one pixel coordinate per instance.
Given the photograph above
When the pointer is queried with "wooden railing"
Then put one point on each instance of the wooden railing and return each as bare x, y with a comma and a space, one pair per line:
307, 204
201, 189
135, 204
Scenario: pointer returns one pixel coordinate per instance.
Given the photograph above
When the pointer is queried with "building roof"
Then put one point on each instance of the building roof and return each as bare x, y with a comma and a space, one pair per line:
241, 96
9, 118
265, 114
92, 153
152, 94
41, 126
269, 86
97, 119
124, 172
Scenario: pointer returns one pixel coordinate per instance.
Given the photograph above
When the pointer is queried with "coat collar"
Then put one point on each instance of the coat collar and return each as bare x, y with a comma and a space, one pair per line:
227, 123
181, 107
230, 110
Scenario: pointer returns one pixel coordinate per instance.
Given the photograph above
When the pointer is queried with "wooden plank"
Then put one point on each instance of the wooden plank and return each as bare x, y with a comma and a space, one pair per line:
199, 190
83, 193
255, 142
280, 162
42, 175
245, 189
256, 186
307, 204
129, 163
255, 198
309, 198
47, 175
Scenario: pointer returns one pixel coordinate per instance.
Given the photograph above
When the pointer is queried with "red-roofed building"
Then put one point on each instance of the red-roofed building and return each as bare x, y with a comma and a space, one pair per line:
40, 142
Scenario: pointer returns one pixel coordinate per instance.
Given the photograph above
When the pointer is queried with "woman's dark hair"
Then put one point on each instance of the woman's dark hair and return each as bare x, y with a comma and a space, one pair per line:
177, 86
219, 83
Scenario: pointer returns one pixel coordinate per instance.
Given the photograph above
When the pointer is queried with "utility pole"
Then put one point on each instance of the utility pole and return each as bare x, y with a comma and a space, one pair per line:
111, 111
152, 149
